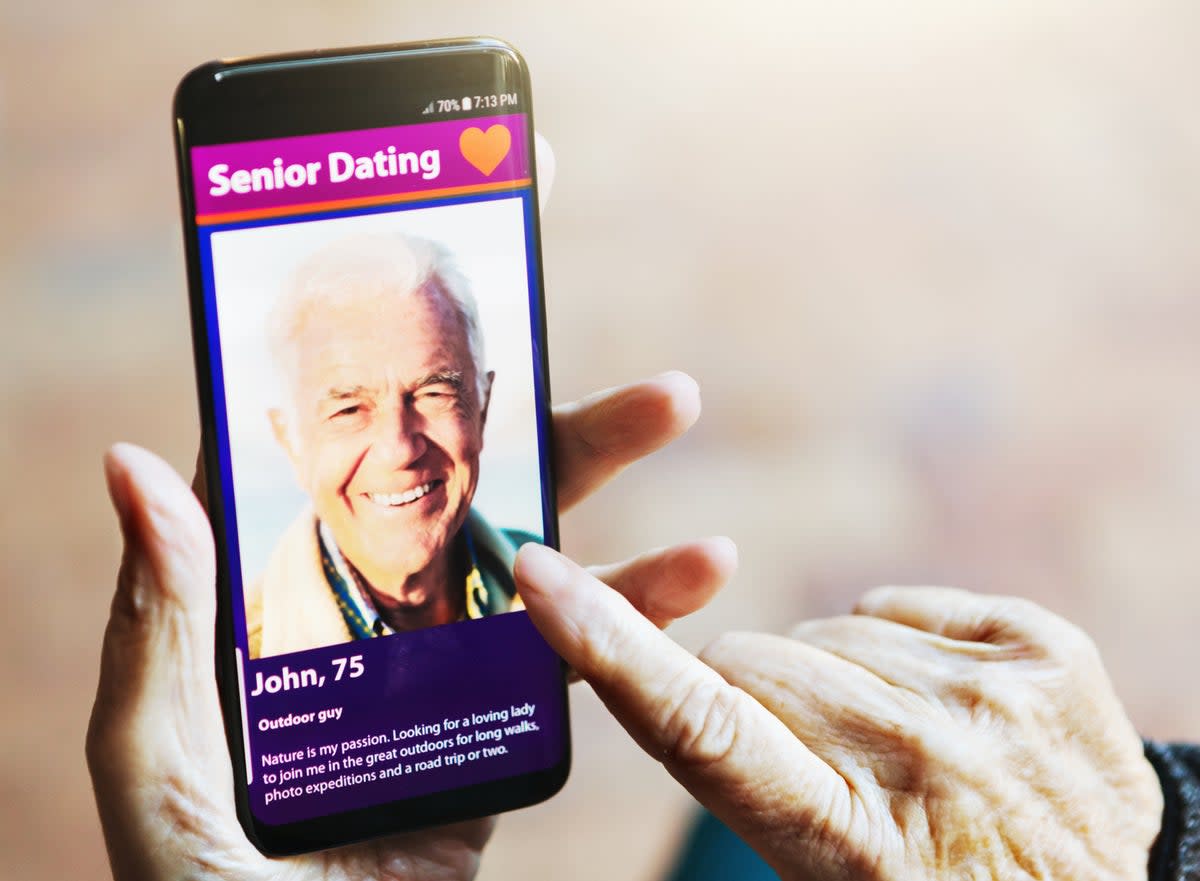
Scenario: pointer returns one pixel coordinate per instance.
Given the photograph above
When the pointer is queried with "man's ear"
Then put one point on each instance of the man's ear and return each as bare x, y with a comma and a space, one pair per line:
282, 430
488, 378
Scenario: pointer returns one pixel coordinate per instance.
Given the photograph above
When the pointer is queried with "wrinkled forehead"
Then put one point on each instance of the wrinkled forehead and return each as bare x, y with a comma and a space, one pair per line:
322, 299
378, 329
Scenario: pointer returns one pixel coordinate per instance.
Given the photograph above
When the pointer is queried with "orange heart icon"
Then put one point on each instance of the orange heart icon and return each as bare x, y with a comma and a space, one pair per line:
485, 150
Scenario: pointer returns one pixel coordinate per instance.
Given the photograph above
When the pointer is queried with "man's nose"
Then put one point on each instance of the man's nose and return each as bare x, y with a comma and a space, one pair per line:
399, 438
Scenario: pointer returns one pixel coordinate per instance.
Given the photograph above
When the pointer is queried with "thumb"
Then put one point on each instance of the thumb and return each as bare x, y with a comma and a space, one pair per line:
724, 747
157, 691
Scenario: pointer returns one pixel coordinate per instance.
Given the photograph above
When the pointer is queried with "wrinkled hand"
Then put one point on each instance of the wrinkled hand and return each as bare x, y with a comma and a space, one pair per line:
935, 734
156, 746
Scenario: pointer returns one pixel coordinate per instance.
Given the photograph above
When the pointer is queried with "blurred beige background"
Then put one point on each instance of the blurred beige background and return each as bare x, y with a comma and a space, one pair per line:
933, 264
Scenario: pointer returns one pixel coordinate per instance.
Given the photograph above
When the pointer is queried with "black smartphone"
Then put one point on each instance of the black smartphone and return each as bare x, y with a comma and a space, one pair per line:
361, 229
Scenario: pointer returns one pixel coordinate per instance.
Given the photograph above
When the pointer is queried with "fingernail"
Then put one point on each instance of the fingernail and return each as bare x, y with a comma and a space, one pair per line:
116, 476
540, 568
685, 393
683, 381
132, 594
727, 546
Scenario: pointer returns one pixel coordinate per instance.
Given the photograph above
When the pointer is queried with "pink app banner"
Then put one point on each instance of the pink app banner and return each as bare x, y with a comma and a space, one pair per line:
360, 167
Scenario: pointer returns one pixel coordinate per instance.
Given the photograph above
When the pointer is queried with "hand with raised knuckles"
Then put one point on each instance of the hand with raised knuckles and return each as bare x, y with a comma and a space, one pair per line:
935, 734
156, 746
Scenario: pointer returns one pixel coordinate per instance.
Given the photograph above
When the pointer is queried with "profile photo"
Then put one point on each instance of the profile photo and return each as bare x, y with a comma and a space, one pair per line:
377, 412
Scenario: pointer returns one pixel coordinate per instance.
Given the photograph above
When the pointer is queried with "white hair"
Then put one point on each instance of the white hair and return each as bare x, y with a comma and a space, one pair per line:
388, 262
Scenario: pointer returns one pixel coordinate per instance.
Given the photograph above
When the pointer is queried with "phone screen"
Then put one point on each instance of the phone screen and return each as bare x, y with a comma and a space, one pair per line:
373, 334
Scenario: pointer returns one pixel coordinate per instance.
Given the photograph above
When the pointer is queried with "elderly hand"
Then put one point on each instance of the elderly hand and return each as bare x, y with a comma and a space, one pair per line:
156, 746
934, 734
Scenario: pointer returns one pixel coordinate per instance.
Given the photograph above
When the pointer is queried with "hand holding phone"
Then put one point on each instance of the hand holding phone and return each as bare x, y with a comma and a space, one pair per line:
156, 746
382, 603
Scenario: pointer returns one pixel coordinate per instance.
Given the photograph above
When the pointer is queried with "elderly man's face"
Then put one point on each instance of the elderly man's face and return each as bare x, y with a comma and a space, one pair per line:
388, 427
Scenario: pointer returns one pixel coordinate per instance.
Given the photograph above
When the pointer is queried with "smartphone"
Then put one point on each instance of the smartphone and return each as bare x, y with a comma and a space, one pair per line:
364, 267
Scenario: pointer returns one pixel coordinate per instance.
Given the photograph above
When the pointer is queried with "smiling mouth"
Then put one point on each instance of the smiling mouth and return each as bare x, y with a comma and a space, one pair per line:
398, 500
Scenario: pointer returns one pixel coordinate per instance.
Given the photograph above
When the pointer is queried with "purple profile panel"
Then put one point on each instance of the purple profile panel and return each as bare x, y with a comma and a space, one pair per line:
378, 720
254, 179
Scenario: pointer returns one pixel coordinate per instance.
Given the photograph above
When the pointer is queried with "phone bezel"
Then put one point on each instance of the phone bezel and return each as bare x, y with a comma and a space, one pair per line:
276, 96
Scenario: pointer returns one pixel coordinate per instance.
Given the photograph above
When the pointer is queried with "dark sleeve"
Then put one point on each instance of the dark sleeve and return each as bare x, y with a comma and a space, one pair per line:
1176, 854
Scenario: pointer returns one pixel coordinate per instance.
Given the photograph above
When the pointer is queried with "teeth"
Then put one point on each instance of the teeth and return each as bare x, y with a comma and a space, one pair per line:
392, 500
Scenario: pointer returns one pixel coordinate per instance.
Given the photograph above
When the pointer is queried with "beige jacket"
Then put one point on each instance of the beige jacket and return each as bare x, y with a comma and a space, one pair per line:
291, 608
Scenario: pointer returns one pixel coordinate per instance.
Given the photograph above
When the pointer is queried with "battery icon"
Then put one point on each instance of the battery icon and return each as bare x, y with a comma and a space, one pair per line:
466, 103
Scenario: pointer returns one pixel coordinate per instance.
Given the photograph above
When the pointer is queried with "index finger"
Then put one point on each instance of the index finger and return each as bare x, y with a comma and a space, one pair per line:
734, 756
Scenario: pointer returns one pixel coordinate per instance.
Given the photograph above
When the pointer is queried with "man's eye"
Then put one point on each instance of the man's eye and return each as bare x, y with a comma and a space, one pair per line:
436, 393
352, 410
